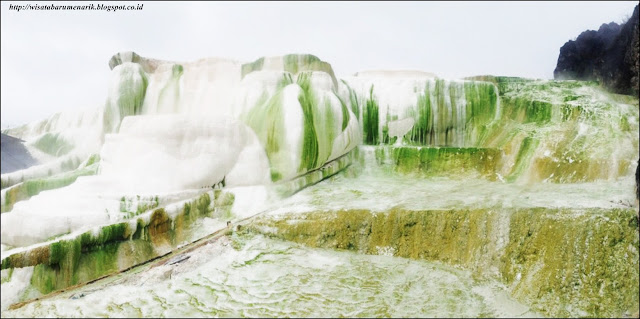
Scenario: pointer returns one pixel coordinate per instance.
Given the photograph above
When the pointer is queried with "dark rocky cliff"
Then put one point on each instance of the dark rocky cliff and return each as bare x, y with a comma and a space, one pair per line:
15, 155
609, 55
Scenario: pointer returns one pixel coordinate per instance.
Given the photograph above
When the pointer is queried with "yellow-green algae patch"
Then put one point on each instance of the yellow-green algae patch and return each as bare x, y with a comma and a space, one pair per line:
563, 262
553, 131
429, 161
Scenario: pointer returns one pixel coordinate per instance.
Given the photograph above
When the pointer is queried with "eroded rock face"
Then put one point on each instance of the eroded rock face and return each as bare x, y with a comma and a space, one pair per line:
609, 55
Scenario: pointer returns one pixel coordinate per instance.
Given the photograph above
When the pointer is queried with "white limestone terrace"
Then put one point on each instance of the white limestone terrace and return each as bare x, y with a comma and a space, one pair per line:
168, 129
277, 117
247, 277
173, 129
378, 189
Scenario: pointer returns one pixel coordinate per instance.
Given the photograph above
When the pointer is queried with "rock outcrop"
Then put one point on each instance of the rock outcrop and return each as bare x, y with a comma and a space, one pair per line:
15, 155
609, 55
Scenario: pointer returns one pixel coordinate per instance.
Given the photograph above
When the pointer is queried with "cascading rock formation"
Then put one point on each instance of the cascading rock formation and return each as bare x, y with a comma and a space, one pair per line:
526, 183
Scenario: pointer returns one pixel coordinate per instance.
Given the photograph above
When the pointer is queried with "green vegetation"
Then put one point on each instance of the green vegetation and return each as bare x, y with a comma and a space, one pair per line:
452, 113
129, 97
345, 112
556, 131
310, 147
481, 99
354, 102
267, 121
527, 111
452, 161
422, 131
370, 123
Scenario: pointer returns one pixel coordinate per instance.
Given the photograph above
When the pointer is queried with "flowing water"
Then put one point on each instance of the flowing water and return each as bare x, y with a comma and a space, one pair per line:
253, 276
488, 196
250, 275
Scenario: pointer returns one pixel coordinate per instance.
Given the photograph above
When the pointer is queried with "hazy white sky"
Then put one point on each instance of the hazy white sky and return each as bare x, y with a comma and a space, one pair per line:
58, 60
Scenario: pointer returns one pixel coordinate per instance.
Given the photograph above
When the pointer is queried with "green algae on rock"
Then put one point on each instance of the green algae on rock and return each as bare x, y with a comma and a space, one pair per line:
25, 190
75, 259
564, 262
